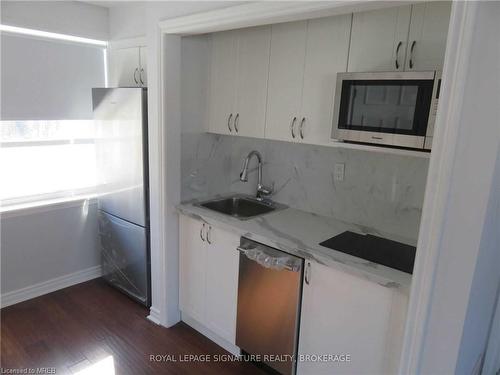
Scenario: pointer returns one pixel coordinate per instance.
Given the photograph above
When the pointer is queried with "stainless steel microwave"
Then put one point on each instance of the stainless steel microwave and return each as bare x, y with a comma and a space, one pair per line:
387, 108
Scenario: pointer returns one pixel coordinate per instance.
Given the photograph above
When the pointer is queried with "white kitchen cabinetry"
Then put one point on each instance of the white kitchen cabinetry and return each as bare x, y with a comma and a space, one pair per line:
251, 88
286, 72
305, 59
208, 286
379, 39
192, 261
127, 67
343, 314
326, 55
238, 81
143, 61
222, 282
278, 81
410, 37
222, 82
427, 37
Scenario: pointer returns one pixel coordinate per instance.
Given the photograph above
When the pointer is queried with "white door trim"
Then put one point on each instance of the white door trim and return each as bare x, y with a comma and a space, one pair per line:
438, 184
265, 13
434, 211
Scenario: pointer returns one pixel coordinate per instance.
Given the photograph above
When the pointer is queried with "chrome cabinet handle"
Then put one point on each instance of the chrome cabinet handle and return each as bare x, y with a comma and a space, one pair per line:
301, 127
135, 77
202, 229
209, 232
397, 54
140, 76
236, 122
292, 130
411, 53
307, 275
229, 123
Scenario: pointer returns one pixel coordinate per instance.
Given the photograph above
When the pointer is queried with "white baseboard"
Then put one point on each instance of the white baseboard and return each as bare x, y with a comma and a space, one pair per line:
24, 294
154, 315
193, 323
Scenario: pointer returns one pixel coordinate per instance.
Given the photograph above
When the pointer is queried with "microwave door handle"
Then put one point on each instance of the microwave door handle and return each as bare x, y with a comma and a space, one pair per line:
351, 105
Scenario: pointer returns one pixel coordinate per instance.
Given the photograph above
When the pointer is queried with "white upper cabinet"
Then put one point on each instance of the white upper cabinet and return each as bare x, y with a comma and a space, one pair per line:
379, 39
143, 60
123, 64
238, 81
286, 72
410, 37
326, 55
305, 60
427, 37
222, 82
127, 67
253, 69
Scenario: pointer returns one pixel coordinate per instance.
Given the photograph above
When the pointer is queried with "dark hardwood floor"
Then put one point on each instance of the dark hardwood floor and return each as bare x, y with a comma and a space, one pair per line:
82, 326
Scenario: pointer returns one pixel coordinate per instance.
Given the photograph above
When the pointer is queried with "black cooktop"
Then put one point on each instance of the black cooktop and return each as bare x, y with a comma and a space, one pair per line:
374, 249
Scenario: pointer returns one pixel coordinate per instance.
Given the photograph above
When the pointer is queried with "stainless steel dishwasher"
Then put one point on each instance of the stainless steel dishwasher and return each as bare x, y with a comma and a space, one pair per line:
269, 294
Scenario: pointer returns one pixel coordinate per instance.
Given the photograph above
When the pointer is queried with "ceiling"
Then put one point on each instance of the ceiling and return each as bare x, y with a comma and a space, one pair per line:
111, 4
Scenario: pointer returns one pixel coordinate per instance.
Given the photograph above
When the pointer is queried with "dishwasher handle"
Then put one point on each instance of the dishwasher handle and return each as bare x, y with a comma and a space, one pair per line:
274, 261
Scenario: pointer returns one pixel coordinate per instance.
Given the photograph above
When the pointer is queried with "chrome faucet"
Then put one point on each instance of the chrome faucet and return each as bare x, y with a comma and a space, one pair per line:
262, 191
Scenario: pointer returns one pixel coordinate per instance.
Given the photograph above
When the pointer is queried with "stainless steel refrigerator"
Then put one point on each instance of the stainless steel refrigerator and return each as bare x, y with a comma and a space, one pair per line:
120, 116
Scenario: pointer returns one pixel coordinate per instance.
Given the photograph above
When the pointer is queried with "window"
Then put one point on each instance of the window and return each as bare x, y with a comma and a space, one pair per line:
47, 135
46, 159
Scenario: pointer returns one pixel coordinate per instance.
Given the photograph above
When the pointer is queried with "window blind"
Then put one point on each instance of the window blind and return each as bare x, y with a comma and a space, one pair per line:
45, 79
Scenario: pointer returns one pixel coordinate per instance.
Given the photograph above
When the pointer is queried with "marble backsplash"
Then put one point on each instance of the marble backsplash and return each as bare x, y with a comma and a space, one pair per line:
382, 191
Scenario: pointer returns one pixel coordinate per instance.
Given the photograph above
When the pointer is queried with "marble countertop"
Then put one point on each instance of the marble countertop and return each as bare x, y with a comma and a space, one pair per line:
299, 233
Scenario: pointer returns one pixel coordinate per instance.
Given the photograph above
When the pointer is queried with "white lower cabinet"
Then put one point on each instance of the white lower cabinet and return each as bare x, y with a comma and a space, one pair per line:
192, 259
208, 278
222, 265
345, 315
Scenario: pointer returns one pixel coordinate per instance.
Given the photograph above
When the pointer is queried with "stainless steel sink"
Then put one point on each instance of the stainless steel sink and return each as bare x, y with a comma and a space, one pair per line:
241, 206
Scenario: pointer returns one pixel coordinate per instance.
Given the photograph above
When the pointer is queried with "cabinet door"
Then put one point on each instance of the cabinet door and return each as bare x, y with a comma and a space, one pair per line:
124, 67
326, 55
143, 55
222, 82
343, 314
375, 38
253, 70
286, 71
428, 33
222, 264
192, 269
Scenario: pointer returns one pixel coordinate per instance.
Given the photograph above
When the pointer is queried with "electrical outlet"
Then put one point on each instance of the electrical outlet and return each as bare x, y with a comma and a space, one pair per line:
339, 172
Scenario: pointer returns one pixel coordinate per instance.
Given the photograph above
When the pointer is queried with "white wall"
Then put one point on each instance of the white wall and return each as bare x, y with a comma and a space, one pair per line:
65, 17
43, 244
485, 285
163, 290
467, 270
492, 358
127, 21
